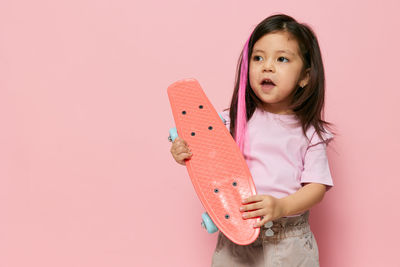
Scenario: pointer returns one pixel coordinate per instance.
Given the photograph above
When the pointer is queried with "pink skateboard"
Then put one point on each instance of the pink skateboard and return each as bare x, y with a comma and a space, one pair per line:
218, 171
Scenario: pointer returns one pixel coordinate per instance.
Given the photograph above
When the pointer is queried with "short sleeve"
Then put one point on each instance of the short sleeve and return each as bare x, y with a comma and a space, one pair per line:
315, 139
316, 165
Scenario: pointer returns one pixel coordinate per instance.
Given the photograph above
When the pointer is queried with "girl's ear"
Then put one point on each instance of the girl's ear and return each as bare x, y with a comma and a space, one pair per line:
306, 78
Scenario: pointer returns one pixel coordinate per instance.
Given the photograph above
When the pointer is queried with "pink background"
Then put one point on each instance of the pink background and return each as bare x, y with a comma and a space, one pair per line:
86, 175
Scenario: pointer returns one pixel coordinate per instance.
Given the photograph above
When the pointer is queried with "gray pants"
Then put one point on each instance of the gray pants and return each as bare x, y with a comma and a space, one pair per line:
292, 244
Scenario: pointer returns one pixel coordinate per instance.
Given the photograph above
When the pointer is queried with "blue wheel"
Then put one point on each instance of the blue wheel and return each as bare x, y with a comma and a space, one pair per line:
223, 120
208, 224
173, 134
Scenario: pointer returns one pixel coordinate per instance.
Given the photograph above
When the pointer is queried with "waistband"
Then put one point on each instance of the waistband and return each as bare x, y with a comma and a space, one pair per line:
285, 227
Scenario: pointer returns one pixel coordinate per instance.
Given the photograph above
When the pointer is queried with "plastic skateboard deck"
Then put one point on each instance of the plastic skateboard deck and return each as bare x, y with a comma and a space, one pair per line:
217, 168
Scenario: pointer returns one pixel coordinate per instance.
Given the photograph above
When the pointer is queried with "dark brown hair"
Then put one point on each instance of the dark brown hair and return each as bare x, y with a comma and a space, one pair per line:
307, 102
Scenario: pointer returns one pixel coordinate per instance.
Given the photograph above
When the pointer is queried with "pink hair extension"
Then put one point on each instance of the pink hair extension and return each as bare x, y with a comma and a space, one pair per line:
241, 117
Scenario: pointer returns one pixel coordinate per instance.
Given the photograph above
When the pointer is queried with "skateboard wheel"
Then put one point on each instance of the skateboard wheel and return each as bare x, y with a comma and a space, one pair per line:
173, 134
208, 224
223, 120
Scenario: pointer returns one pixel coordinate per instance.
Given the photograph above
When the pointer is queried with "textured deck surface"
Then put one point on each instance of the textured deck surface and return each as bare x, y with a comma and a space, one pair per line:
217, 168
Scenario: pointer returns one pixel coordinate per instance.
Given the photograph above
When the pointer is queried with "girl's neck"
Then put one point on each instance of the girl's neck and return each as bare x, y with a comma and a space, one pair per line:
277, 110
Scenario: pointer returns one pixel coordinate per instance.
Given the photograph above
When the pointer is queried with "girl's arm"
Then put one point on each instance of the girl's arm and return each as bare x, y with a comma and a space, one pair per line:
305, 198
271, 208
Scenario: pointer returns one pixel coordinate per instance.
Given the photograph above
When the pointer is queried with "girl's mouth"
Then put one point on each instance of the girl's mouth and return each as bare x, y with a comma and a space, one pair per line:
267, 82
267, 85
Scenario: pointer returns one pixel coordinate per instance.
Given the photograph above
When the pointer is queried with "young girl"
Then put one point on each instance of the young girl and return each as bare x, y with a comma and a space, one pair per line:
275, 117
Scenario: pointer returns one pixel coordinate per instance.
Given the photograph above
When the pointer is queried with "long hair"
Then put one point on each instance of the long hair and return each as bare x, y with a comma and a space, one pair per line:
307, 102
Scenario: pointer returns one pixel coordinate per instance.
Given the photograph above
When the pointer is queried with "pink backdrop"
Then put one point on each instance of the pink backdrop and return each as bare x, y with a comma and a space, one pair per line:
86, 175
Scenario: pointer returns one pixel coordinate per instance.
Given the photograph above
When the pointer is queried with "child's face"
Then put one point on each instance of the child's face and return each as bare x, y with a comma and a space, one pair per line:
283, 68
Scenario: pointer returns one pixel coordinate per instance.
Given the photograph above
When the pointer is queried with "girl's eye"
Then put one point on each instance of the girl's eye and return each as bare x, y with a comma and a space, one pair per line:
284, 58
257, 58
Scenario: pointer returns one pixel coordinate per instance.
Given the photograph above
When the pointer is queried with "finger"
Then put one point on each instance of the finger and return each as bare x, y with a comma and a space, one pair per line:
261, 222
182, 149
181, 161
180, 157
250, 207
179, 148
251, 199
179, 140
184, 156
173, 150
179, 143
253, 214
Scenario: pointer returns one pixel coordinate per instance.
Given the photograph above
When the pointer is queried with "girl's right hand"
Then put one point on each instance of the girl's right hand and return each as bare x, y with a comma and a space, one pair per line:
180, 150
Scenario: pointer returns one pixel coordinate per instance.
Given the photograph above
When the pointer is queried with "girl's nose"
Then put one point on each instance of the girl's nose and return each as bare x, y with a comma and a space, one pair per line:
268, 66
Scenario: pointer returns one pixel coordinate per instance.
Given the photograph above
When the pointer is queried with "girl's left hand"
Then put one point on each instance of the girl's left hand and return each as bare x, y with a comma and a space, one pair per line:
269, 207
